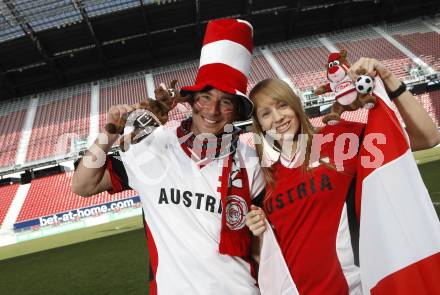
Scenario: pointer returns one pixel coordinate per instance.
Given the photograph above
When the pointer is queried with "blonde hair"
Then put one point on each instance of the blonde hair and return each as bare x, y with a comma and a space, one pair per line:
280, 91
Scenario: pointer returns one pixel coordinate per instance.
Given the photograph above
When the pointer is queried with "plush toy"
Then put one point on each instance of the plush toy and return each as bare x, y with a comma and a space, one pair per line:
349, 97
149, 114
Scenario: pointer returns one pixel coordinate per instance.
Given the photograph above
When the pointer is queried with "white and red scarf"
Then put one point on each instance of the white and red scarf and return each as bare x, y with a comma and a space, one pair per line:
234, 189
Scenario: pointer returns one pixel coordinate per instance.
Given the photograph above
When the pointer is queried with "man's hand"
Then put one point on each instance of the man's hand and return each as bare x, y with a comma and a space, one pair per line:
117, 116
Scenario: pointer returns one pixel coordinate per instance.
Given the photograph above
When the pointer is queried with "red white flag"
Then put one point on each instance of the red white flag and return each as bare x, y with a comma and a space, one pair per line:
399, 246
273, 274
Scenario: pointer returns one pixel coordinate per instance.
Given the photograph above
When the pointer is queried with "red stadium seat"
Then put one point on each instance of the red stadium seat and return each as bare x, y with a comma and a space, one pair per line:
11, 125
7, 194
56, 119
429, 100
122, 90
360, 115
185, 75
305, 66
425, 45
260, 70
381, 49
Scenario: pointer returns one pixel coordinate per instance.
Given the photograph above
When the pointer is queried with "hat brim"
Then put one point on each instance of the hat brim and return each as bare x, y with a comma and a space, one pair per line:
248, 105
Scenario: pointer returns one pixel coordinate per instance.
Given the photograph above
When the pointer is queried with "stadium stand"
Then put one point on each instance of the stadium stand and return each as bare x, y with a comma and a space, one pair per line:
68, 110
7, 194
429, 100
418, 38
10, 130
260, 70
120, 90
185, 75
367, 43
304, 61
61, 116
50, 195
360, 115
426, 45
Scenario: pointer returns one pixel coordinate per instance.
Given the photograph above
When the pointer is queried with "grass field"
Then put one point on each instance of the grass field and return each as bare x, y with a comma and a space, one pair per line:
429, 166
110, 265
431, 176
111, 258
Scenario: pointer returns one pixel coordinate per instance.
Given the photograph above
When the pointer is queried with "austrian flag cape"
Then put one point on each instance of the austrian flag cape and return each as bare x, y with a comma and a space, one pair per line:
399, 241
273, 274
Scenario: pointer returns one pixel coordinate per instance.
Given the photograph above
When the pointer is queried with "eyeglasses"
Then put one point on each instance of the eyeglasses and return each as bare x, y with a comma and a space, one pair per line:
206, 101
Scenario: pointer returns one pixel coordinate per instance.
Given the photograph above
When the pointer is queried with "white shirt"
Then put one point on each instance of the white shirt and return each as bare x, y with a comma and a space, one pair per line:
183, 212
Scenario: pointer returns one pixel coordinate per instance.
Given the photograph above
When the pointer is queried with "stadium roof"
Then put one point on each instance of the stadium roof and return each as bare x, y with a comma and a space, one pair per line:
47, 44
38, 15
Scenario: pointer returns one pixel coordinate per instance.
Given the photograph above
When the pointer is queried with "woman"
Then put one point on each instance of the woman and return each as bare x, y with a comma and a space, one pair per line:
309, 200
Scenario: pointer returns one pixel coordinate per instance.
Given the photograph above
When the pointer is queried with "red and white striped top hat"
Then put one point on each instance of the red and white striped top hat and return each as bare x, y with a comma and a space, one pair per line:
225, 60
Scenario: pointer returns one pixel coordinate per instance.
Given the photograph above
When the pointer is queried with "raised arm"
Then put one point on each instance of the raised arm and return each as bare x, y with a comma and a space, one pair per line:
420, 127
91, 176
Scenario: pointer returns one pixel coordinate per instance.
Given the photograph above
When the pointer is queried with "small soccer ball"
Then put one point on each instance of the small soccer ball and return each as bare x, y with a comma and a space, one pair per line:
364, 84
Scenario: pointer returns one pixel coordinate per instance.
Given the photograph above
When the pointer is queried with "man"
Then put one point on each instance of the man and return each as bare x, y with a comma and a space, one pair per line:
194, 186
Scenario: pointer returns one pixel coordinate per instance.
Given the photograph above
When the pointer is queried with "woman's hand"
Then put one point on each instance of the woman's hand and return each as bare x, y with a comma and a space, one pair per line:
421, 128
373, 67
256, 220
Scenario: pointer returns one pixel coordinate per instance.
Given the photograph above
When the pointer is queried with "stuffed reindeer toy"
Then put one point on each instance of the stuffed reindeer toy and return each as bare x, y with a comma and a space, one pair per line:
149, 114
349, 96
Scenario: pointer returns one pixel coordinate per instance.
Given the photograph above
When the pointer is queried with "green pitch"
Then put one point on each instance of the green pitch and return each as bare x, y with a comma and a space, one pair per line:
112, 265
112, 258
431, 176
429, 166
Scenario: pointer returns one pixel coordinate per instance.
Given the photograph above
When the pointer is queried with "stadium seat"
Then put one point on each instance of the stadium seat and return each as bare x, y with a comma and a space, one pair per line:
11, 125
304, 60
360, 115
429, 100
61, 116
431, 103
377, 47
7, 194
425, 45
185, 75
260, 70
304, 63
121, 90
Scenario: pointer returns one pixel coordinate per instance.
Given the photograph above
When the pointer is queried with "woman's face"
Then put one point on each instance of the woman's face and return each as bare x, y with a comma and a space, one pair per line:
276, 117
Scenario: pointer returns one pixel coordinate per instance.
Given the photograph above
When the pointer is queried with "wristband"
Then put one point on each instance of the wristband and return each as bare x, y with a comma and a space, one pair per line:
396, 93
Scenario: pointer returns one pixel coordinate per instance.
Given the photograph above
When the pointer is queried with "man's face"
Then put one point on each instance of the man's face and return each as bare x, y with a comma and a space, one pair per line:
212, 110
